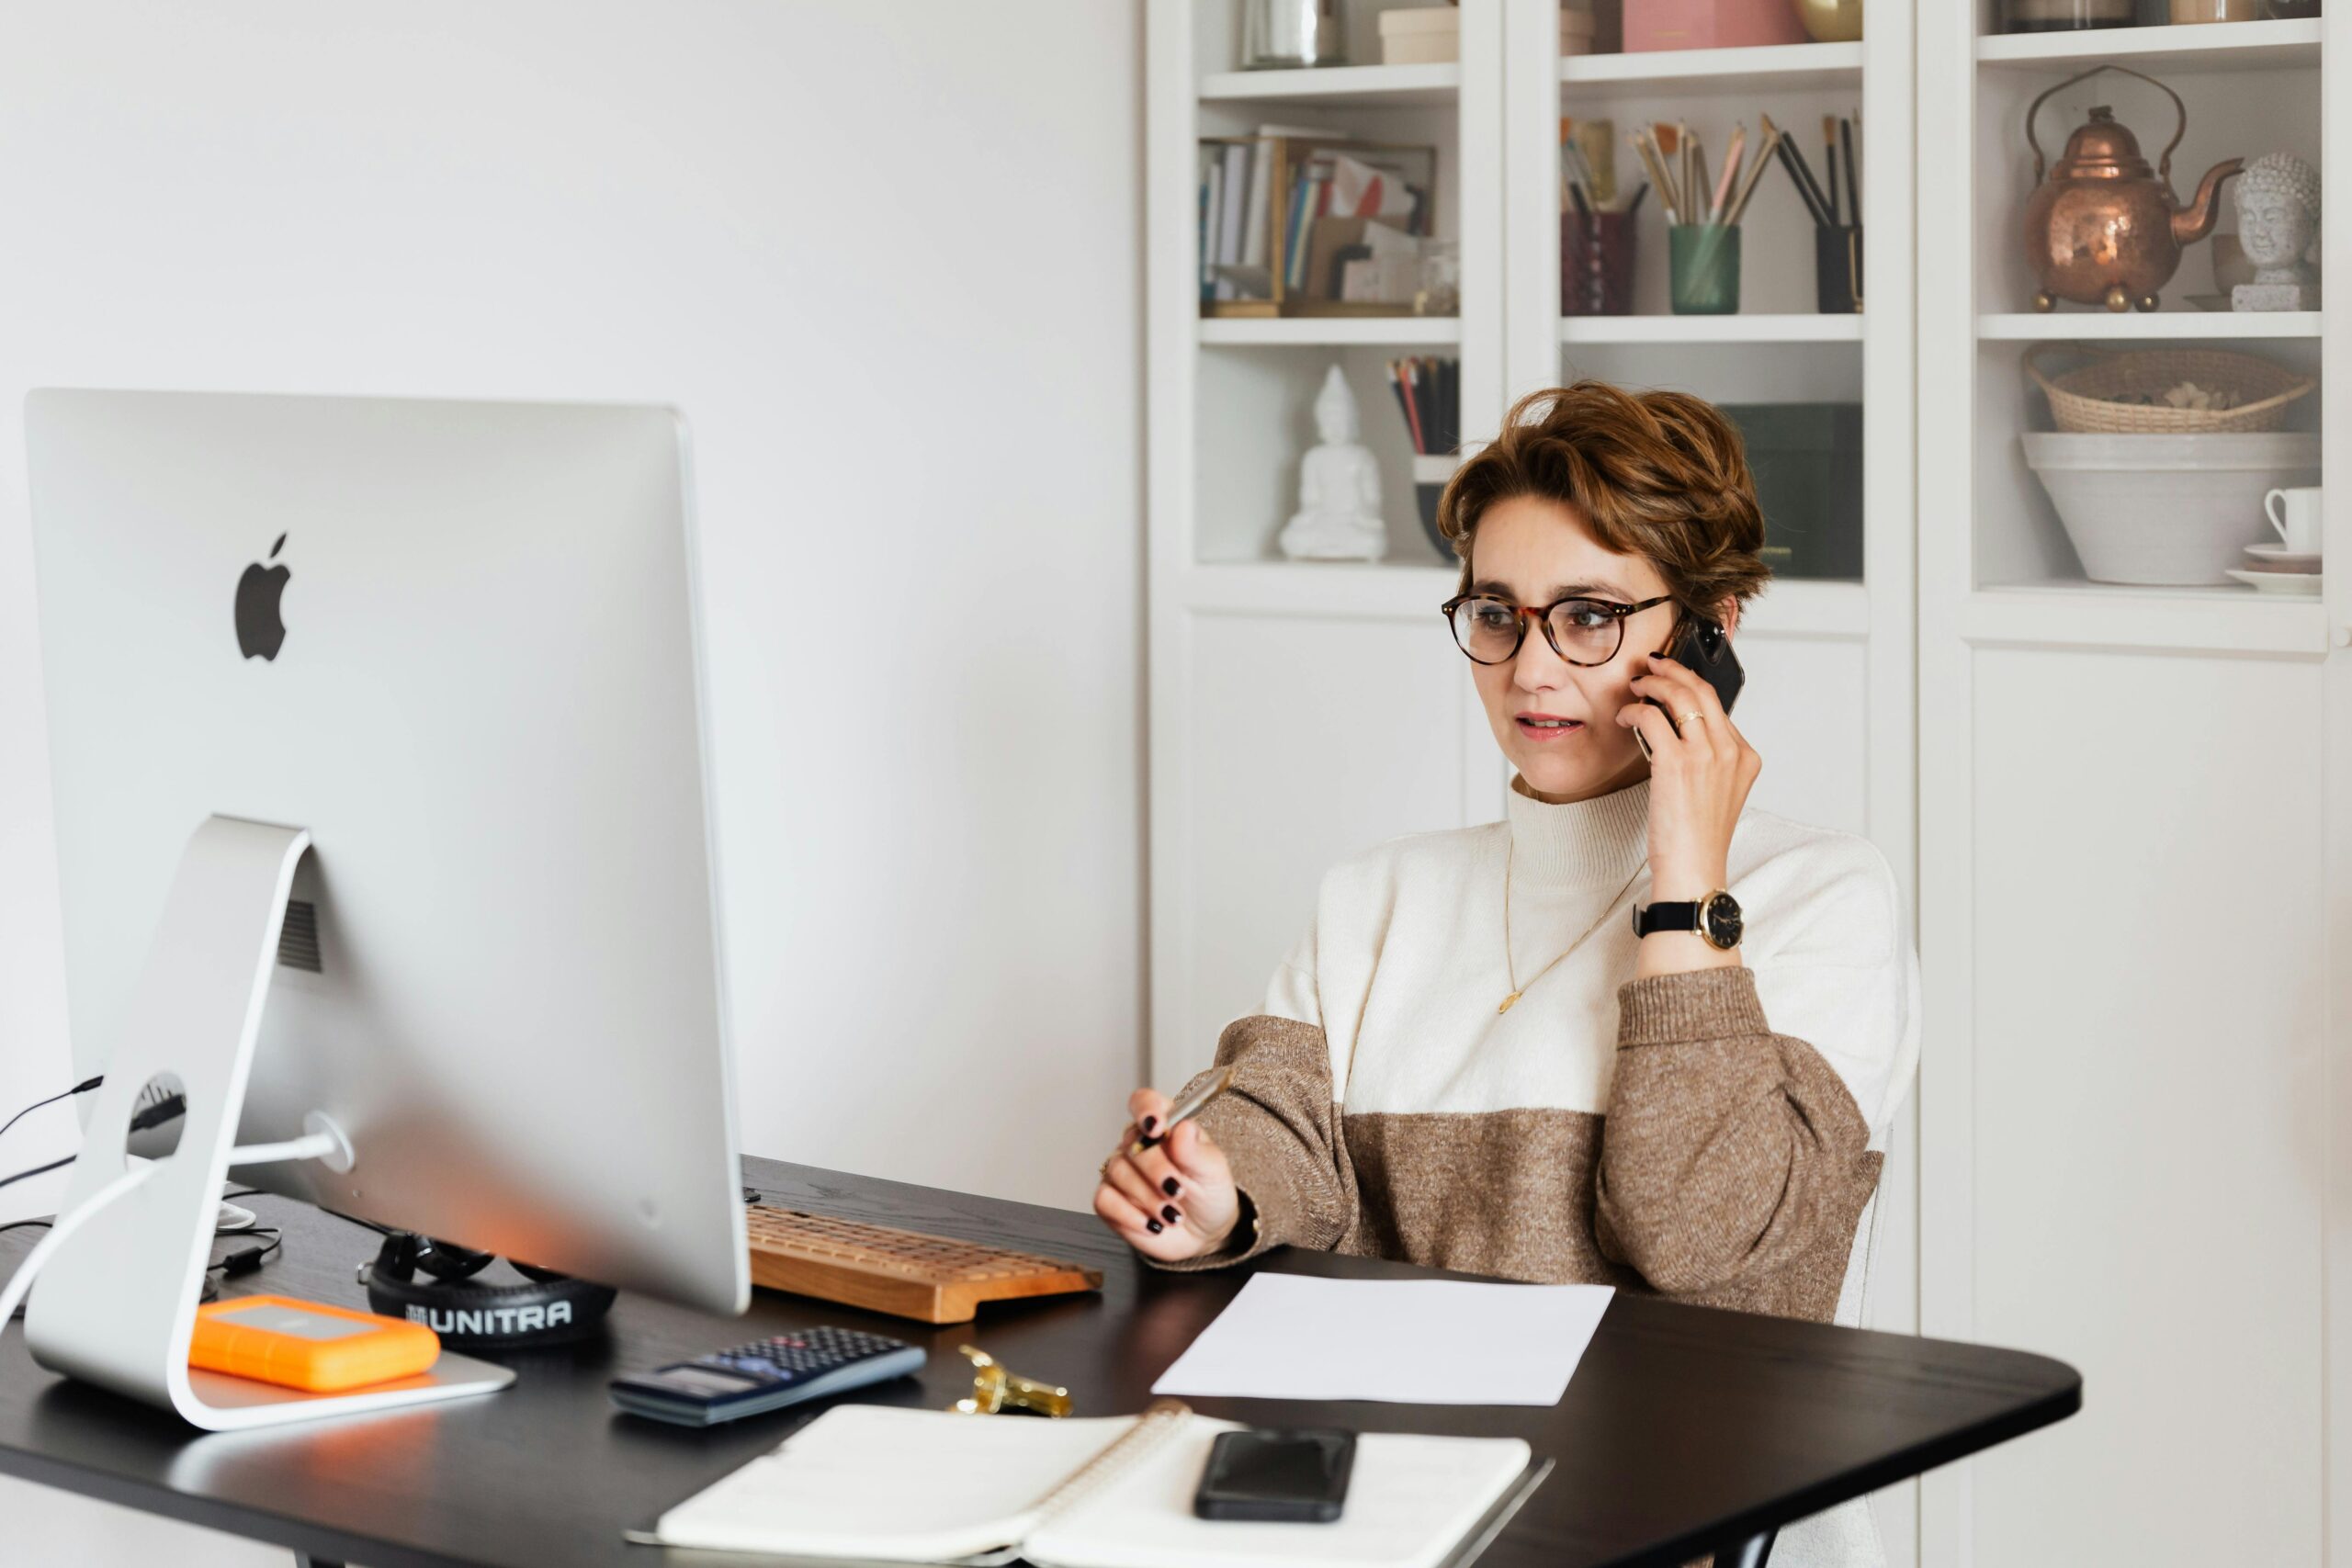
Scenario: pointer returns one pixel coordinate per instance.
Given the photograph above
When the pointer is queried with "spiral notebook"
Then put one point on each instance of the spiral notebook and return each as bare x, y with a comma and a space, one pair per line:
885, 1483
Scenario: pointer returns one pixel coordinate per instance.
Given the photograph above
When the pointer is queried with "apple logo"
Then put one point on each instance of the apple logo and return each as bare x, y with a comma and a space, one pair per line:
260, 632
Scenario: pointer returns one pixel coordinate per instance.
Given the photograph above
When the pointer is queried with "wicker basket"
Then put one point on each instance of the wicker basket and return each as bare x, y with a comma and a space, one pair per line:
2083, 400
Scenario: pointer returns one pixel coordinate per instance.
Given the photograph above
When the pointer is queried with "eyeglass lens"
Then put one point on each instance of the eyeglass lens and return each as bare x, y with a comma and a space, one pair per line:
1583, 631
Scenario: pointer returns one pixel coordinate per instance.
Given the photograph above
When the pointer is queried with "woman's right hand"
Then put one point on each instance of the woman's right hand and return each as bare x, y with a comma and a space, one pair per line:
1175, 1199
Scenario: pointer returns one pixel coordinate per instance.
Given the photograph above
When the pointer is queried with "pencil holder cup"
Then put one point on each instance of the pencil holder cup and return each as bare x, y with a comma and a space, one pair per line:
1837, 269
1702, 268
1595, 264
1429, 477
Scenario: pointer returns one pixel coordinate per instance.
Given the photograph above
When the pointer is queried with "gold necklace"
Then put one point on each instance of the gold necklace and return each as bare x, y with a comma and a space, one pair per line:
1510, 973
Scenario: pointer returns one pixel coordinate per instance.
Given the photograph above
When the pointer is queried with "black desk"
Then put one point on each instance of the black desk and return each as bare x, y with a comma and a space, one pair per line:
1684, 1430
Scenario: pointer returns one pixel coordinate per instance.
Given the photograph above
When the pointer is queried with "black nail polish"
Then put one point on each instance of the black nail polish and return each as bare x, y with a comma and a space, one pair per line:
1154, 1227
1150, 1123
1149, 1142
1167, 1212
1169, 1187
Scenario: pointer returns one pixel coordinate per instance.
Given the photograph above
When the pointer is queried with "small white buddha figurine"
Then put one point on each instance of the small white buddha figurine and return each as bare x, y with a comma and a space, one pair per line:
2278, 203
1338, 487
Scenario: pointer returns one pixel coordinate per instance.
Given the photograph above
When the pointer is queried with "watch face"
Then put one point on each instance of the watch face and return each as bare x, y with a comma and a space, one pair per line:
1723, 919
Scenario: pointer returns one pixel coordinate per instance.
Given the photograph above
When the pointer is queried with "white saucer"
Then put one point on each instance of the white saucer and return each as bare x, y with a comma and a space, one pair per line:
2285, 557
2286, 584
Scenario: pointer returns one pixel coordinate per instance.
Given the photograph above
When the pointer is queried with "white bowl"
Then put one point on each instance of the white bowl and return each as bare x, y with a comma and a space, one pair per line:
2166, 509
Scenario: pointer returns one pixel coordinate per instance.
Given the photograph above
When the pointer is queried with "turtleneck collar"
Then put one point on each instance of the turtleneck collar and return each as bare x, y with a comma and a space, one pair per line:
1596, 841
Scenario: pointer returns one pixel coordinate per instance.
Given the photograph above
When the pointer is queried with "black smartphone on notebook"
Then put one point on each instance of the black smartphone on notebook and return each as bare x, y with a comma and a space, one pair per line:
1298, 1477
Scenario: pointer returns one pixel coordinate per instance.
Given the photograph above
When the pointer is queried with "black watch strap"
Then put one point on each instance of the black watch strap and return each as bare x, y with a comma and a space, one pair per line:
1674, 916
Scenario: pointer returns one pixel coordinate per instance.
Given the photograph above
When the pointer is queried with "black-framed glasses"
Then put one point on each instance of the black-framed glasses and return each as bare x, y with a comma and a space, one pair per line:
1582, 631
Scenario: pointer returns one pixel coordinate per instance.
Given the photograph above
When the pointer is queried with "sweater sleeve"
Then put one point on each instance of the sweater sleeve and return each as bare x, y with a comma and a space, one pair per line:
1279, 1129
1729, 1152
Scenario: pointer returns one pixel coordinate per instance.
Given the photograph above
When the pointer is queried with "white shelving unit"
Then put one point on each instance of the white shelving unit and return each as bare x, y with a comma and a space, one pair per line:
1301, 711
2135, 832
2126, 812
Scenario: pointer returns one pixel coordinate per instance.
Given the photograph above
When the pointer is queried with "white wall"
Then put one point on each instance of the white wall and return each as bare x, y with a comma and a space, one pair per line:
887, 258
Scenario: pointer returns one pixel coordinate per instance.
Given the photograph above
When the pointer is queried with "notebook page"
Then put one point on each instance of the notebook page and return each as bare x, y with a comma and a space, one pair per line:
894, 1484
1410, 1500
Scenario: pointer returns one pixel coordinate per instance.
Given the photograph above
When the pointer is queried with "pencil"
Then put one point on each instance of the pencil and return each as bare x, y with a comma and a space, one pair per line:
1829, 163
1799, 176
1725, 181
1853, 173
1755, 172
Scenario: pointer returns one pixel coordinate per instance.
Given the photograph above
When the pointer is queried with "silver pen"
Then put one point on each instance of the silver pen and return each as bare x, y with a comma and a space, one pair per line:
1191, 1105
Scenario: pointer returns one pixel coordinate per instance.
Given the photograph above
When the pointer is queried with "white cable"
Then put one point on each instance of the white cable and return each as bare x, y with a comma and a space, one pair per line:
13, 1293
314, 1145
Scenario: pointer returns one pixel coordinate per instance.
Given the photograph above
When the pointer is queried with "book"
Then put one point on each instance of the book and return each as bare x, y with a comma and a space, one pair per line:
1211, 177
885, 1483
1235, 198
1254, 230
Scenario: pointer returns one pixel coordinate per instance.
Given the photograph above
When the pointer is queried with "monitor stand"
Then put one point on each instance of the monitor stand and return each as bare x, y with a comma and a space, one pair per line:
116, 1303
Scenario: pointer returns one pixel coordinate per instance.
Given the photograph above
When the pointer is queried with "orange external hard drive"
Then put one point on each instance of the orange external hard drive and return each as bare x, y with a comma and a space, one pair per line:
308, 1344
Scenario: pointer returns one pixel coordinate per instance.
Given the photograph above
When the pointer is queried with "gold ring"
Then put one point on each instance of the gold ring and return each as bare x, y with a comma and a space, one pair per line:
1693, 714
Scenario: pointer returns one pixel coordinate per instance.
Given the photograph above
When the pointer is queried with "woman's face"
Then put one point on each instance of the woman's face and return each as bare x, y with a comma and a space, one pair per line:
1532, 551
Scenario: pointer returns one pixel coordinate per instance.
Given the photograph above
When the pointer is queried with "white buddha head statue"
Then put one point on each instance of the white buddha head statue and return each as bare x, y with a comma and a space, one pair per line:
2277, 205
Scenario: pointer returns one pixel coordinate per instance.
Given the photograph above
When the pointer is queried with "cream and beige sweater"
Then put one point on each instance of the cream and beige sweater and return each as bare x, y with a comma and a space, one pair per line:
1715, 1136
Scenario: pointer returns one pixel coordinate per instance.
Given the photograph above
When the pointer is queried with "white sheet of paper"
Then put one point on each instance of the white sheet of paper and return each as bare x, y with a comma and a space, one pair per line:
1409, 1341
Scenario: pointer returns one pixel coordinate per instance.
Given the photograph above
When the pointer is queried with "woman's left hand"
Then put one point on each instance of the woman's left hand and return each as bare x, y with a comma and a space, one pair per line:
1699, 778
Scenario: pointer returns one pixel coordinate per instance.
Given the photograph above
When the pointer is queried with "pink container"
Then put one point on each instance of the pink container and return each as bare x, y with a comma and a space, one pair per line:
1710, 24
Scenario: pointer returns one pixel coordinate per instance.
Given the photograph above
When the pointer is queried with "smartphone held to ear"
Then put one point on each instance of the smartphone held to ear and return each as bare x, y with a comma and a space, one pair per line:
1704, 647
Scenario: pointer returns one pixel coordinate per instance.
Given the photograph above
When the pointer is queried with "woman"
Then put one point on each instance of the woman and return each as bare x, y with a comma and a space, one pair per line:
1471, 1060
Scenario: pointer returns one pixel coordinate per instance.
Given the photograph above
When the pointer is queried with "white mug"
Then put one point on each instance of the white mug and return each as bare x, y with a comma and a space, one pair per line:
2295, 514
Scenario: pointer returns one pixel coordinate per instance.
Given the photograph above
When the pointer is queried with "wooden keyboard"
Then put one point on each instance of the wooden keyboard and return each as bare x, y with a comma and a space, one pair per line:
904, 1273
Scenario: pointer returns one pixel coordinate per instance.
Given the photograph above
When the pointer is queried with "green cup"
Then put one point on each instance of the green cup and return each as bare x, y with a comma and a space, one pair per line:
1702, 263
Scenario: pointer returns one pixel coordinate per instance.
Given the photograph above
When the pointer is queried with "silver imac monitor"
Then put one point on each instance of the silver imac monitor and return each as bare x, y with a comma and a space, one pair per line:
457, 643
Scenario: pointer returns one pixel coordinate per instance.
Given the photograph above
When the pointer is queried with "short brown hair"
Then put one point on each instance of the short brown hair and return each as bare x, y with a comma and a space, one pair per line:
1661, 475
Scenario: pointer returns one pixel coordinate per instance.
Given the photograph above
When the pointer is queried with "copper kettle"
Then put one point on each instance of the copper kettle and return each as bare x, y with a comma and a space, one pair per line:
2103, 228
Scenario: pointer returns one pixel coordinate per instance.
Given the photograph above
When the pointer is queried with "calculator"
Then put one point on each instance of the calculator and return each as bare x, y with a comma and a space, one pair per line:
767, 1374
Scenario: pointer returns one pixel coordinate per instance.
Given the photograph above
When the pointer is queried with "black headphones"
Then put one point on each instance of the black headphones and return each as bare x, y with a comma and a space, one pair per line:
548, 1308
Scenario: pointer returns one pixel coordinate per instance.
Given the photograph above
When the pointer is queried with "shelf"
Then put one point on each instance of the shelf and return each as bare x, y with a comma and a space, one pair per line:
2207, 47
2077, 613
2057, 326
1412, 590
1339, 86
1329, 330
1791, 328
1406, 590
1778, 68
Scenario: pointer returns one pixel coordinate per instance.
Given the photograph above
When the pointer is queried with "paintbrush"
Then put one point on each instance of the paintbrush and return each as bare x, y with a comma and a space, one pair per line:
1646, 145
1689, 170
1755, 172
